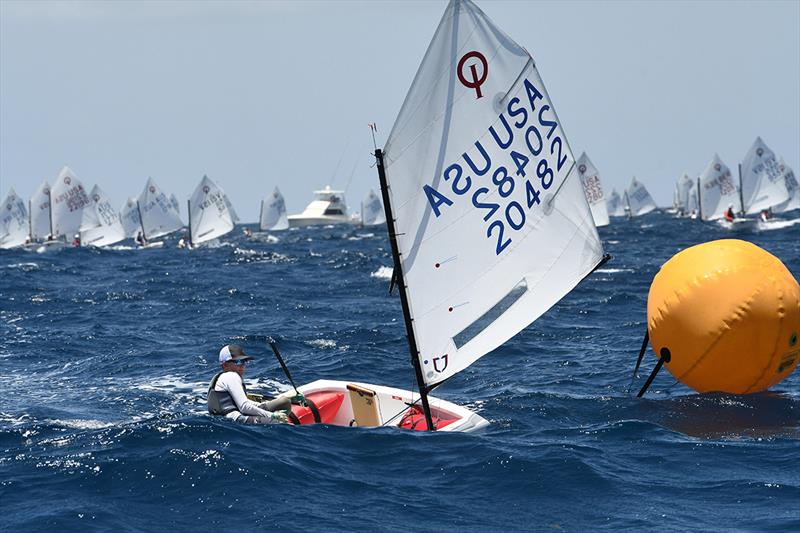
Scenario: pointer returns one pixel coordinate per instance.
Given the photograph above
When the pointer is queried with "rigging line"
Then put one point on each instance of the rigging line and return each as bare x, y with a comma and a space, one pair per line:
353, 171
339, 163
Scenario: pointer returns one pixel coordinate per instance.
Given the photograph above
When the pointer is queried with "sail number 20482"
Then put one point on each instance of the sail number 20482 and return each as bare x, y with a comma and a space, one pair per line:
504, 175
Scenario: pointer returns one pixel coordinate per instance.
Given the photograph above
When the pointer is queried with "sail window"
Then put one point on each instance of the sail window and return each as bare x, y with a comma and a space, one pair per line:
495, 312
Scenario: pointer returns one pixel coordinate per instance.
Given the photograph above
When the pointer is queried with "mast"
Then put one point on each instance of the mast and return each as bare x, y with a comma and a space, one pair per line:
398, 276
741, 193
30, 220
260, 216
699, 201
141, 220
189, 210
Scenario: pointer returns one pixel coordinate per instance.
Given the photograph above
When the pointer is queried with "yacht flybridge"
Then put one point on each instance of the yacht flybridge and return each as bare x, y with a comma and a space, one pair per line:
328, 207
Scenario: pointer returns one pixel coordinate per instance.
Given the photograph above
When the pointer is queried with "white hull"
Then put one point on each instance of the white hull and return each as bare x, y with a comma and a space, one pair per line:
300, 221
391, 406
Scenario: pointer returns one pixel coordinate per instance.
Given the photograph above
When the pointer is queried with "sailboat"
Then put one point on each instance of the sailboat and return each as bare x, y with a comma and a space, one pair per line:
715, 190
682, 188
40, 226
372, 212
761, 183
637, 200
486, 216
327, 207
791, 186
68, 199
101, 225
593, 190
615, 206
157, 216
129, 216
13, 221
273, 213
209, 215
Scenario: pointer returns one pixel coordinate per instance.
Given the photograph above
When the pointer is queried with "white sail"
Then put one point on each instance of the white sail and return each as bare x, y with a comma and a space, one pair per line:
68, 198
791, 186
13, 221
615, 206
129, 215
101, 225
372, 212
273, 213
762, 183
593, 190
692, 206
156, 211
231, 210
684, 185
209, 216
492, 223
40, 213
639, 201
717, 191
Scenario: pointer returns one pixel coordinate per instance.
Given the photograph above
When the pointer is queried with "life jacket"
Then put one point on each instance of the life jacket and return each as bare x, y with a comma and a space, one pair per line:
221, 402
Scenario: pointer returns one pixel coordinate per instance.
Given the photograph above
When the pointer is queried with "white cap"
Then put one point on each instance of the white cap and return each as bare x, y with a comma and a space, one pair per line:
233, 352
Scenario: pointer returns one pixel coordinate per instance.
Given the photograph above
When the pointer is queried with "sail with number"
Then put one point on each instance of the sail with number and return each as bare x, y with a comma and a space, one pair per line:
129, 216
717, 190
762, 183
372, 212
791, 186
638, 200
593, 190
101, 224
158, 217
13, 221
68, 198
273, 213
173, 201
490, 218
209, 216
40, 213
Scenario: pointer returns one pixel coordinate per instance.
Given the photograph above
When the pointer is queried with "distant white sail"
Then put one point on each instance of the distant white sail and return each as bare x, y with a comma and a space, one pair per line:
639, 201
273, 213
68, 198
101, 225
209, 216
593, 190
717, 191
372, 212
492, 224
692, 205
762, 182
40, 212
129, 215
615, 206
155, 209
684, 185
13, 221
791, 186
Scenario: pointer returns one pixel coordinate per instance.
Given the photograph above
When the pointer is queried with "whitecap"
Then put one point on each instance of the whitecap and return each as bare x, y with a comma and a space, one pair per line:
383, 272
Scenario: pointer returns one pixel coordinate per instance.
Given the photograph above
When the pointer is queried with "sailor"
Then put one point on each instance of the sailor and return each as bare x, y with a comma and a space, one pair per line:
183, 242
140, 239
227, 395
765, 215
76, 241
248, 232
729, 214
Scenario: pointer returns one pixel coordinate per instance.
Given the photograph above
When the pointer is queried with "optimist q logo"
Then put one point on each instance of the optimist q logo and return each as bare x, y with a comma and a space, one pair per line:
67, 180
96, 197
717, 167
152, 189
582, 169
206, 189
760, 152
475, 82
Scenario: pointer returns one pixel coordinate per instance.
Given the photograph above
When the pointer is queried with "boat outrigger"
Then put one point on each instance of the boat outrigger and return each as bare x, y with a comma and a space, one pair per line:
487, 219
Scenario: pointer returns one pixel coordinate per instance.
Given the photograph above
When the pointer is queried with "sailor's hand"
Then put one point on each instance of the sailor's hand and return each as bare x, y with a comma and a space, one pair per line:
298, 399
280, 417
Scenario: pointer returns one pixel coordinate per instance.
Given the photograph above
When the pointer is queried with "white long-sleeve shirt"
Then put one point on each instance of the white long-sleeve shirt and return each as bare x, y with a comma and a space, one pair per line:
231, 382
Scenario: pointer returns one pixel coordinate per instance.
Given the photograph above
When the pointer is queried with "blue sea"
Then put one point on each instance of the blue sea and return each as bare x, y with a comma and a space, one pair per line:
105, 357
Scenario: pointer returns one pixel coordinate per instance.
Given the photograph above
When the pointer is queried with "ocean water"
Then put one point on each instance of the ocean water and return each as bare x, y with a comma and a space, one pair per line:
105, 356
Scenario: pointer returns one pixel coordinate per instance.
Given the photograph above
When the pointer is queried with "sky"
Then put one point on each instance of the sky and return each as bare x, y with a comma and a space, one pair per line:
265, 94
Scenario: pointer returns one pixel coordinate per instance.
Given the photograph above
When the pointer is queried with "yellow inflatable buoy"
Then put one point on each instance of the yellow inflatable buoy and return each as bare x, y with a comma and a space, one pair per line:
728, 313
